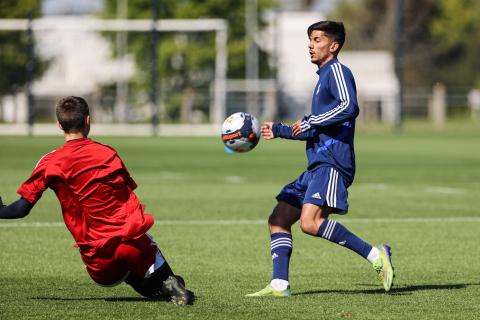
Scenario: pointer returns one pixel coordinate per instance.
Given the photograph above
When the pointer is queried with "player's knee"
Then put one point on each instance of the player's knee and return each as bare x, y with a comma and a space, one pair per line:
276, 220
311, 226
283, 216
272, 220
308, 226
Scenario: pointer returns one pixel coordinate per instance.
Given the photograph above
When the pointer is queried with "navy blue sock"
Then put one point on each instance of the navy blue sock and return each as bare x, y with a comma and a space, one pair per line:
281, 249
335, 232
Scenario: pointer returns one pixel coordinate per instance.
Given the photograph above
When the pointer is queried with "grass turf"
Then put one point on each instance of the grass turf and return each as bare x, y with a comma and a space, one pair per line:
189, 183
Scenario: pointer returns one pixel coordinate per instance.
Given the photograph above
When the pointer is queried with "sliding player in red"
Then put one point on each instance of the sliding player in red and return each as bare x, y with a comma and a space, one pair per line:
100, 210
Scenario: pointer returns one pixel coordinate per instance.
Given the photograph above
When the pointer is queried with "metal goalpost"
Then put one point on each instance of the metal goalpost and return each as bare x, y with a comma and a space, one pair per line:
219, 26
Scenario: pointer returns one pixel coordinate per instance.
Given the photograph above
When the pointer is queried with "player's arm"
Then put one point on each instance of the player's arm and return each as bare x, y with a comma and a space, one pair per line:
18, 209
343, 108
128, 178
30, 192
272, 130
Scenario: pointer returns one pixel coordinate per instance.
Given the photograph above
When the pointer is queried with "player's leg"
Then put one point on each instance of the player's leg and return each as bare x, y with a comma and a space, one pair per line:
280, 222
162, 284
151, 275
327, 193
139, 263
314, 221
284, 215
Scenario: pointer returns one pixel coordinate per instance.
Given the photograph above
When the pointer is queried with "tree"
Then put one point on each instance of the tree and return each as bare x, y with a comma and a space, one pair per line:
455, 29
187, 60
368, 23
440, 37
13, 46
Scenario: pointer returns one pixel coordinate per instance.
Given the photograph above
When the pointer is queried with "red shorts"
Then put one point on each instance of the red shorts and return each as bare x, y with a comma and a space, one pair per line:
111, 265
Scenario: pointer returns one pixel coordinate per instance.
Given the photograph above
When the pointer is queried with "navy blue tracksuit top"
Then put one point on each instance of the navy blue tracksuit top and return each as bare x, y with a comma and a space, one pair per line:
329, 129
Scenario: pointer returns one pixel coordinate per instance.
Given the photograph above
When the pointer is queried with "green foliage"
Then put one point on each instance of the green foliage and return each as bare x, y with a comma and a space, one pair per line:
19, 9
455, 21
13, 46
232, 11
187, 60
456, 29
440, 37
366, 23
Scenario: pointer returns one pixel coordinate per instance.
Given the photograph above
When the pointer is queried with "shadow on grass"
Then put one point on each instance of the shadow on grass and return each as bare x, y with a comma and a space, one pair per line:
111, 299
394, 291
405, 290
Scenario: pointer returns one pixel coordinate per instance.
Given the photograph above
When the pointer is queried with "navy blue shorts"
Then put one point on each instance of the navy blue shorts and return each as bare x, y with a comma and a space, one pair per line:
321, 186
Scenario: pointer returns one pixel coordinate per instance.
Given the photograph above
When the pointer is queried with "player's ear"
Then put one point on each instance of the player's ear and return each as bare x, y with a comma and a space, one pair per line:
334, 47
59, 125
87, 126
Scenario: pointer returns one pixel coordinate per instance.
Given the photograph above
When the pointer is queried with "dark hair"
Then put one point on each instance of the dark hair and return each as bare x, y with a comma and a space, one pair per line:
71, 113
334, 30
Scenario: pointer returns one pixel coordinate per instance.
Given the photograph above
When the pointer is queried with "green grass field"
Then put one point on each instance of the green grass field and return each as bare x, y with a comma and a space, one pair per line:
418, 192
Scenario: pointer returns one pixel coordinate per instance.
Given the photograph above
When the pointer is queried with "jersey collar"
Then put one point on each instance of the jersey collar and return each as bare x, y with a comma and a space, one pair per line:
77, 141
326, 65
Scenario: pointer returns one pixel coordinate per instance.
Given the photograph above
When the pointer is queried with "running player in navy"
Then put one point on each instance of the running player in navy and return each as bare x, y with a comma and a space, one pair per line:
322, 188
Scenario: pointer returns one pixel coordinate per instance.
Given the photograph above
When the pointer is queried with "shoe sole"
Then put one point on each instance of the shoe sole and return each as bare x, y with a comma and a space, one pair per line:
388, 280
276, 294
268, 295
174, 288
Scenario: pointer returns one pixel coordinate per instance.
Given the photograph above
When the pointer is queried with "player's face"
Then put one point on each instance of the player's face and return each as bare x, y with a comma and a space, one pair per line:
321, 48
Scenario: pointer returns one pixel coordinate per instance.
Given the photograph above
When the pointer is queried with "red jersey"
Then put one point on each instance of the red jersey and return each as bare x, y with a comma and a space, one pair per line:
95, 192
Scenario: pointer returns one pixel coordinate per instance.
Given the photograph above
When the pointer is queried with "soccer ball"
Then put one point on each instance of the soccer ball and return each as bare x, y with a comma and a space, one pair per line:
240, 132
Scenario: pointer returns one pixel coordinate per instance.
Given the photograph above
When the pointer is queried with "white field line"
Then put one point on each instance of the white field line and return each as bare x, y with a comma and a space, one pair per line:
234, 179
259, 222
428, 189
445, 190
376, 186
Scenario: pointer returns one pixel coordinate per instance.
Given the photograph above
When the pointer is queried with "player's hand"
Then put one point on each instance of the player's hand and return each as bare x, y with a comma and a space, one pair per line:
297, 127
267, 132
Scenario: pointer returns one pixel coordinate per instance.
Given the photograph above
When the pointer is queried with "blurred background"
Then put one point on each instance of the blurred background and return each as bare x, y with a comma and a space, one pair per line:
181, 66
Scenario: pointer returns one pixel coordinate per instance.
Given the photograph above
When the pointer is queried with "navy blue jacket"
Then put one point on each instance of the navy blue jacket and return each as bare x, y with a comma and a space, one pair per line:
329, 130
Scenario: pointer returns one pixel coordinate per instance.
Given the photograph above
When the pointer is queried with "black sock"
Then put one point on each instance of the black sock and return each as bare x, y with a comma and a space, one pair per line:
162, 273
150, 287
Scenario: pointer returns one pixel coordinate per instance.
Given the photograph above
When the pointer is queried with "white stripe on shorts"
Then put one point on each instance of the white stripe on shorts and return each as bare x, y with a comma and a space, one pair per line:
328, 188
335, 189
332, 188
